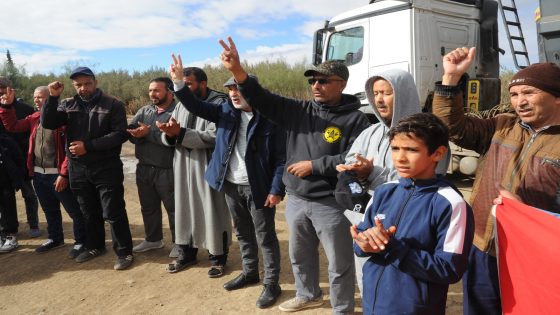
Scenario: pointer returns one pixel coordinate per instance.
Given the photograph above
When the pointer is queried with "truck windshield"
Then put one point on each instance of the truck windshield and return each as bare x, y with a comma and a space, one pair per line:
346, 45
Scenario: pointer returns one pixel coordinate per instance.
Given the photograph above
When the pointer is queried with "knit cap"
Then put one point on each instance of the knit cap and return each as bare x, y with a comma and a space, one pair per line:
543, 76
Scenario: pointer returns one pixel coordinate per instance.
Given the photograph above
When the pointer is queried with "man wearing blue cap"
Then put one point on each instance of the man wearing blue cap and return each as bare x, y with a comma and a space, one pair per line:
96, 129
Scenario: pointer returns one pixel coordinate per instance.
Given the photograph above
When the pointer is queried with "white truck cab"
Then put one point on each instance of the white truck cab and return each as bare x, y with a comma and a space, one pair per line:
413, 35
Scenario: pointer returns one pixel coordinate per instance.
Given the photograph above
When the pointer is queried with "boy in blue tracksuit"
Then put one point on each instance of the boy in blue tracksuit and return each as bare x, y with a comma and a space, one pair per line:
430, 230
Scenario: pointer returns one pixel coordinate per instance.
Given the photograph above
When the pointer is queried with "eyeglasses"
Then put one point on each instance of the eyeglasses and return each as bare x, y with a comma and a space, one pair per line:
321, 81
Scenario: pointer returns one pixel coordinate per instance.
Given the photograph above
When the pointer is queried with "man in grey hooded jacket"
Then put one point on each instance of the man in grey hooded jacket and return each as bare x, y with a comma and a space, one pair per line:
393, 95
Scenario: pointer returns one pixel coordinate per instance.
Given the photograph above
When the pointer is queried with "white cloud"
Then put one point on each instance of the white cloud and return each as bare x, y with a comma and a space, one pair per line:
106, 24
291, 53
44, 61
68, 28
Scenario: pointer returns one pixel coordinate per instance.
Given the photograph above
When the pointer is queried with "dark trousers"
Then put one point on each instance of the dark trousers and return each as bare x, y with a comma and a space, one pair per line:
8, 212
188, 253
481, 288
31, 204
155, 186
254, 228
50, 200
100, 193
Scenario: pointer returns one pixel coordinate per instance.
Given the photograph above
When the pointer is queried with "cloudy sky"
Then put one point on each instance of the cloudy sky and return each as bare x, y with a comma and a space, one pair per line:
45, 36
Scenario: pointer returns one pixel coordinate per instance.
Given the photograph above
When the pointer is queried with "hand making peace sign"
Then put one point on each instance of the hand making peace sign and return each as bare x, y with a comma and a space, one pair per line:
176, 68
230, 60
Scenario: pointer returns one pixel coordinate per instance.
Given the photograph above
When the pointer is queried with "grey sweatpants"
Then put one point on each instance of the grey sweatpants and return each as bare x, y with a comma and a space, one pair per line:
311, 222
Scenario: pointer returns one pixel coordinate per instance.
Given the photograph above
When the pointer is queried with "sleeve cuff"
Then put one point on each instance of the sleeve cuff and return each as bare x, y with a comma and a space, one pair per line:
89, 146
177, 85
181, 135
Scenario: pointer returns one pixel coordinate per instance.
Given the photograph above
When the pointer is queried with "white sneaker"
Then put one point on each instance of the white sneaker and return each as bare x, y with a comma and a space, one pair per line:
9, 244
146, 246
297, 304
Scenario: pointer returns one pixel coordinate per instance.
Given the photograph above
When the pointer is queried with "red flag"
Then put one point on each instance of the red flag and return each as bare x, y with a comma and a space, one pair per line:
528, 242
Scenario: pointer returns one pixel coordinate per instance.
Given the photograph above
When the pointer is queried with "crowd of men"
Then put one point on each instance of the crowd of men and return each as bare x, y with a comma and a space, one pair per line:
213, 159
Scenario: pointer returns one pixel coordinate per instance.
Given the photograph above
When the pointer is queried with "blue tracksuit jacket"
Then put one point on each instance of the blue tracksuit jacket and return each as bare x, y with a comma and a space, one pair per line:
429, 251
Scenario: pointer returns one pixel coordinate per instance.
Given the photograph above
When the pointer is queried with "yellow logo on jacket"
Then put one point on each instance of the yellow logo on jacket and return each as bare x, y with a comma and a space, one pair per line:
332, 134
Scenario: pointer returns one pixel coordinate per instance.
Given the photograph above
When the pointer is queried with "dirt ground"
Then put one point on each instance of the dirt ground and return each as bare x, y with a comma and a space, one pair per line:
50, 283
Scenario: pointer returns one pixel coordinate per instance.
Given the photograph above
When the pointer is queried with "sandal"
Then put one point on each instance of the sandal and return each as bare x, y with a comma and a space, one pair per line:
179, 265
216, 271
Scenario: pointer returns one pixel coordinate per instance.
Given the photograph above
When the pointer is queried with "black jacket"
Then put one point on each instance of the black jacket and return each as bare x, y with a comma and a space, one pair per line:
315, 132
12, 169
99, 123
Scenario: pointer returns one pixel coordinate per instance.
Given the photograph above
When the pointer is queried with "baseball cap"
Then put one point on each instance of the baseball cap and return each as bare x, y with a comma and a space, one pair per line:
231, 81
329, 68
82, 71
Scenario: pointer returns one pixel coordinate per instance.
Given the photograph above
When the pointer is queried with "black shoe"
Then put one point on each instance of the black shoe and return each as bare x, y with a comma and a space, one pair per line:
48, 245
240, 281
269, 295
76, 251
90, 254
123, 262
179, 265
216, 271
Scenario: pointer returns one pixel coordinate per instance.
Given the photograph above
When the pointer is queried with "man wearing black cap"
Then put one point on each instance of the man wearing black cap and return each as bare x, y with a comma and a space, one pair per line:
319, 132
247, 164
96, 129
519, 156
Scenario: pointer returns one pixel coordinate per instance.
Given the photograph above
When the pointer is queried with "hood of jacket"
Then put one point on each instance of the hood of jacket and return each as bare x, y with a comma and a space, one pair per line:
405, 103
405, 96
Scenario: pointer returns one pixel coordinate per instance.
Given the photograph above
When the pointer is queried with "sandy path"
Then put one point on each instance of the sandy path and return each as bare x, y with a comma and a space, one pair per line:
50, 283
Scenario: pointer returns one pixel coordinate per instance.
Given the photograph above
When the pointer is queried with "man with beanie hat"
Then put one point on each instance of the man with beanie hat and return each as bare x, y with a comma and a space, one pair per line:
247, 165
520, 155
96, 128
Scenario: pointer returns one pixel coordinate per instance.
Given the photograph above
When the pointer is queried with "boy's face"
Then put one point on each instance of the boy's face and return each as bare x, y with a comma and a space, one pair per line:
411, 158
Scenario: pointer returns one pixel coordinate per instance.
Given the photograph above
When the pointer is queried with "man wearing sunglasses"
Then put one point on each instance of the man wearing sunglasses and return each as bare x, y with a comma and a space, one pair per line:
319, 132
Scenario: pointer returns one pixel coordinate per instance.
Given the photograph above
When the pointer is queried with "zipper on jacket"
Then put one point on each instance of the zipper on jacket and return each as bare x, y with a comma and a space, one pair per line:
522, 157
551, 162
397, 221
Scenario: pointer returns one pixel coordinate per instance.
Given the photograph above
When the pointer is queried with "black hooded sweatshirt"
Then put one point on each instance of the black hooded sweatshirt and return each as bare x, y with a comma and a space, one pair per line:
315, 132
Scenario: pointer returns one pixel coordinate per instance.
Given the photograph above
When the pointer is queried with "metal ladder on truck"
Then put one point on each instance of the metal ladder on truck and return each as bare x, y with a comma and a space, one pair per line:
514, 33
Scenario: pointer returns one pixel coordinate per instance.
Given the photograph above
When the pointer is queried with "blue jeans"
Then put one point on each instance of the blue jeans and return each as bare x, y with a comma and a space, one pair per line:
50, 201
481, 287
